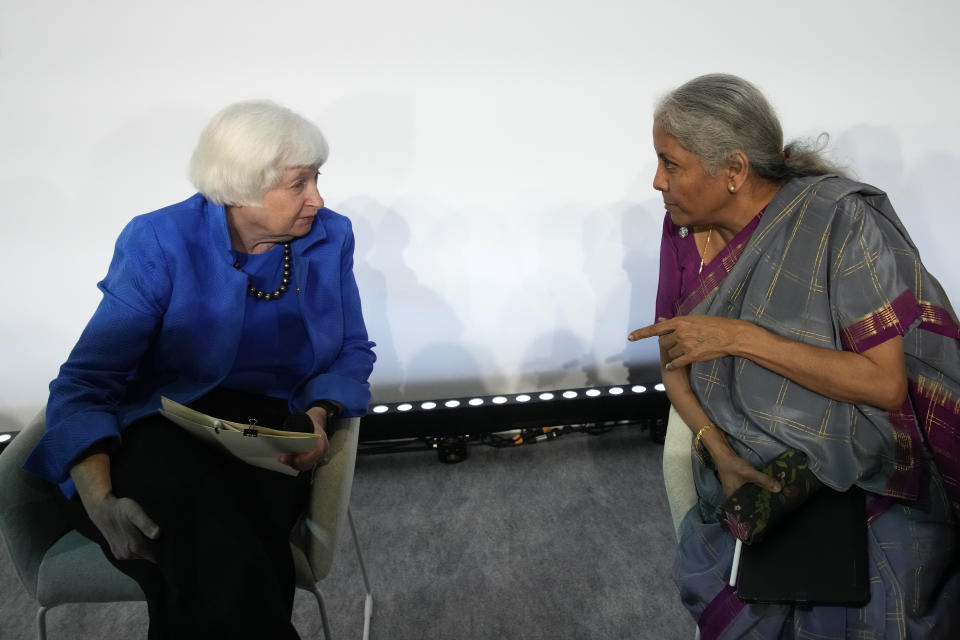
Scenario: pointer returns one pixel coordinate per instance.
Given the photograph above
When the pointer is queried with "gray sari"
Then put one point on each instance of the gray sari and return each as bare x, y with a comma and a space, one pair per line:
829, 264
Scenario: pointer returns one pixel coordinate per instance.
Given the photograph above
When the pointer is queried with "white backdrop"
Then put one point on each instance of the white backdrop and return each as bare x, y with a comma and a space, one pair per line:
494, 156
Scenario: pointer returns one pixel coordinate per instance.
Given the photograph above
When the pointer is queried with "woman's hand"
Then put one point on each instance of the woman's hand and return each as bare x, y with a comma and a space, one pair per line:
687, 339
734, 472
126, 527
703, 338
877, 376
309, 459
124, 524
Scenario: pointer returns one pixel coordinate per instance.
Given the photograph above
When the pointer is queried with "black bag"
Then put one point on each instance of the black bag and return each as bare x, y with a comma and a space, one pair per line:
816, 556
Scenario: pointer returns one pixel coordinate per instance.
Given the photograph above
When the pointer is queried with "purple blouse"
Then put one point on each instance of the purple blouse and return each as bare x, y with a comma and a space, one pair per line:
680, 273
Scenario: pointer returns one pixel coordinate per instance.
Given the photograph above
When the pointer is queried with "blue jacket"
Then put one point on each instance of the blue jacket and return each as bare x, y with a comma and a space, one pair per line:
170, 323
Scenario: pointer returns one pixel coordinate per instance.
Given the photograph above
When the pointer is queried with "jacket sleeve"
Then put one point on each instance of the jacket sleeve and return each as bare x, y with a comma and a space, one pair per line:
345, 380
83, 399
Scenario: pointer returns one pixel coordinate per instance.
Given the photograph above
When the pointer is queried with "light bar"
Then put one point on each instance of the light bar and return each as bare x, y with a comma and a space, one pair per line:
487, 414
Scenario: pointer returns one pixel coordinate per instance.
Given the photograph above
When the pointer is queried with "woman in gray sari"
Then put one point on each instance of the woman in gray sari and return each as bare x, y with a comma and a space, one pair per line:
794, 313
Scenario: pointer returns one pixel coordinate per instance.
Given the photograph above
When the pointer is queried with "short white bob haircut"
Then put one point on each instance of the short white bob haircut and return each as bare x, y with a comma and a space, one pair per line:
245, 148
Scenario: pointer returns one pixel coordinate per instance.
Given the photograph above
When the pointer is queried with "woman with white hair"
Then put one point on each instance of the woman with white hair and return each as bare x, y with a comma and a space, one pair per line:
240, 302
796, 319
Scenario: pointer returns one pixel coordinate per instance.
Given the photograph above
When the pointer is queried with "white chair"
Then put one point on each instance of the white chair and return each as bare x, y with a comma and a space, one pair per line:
314, 543
678, 479
678, 469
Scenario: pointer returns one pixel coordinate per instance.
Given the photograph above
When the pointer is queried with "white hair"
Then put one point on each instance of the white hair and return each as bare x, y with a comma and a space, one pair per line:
244, 149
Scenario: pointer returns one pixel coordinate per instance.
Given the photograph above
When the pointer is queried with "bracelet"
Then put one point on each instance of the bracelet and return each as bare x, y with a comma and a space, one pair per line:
696, 442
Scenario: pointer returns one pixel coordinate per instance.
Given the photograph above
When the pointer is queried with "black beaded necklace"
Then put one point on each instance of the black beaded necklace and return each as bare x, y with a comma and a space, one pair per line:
259, 294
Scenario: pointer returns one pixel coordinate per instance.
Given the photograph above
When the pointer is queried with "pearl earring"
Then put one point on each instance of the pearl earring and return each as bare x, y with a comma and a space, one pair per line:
731, 188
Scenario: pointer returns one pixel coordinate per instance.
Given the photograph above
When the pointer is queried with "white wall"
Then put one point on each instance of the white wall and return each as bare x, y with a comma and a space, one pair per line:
495, 156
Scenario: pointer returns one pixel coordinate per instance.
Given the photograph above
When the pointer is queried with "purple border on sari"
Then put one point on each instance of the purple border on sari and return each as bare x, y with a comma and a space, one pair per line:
938, 411
719, 613
878, 327
718, 269
938, 320
930, 412
909, 454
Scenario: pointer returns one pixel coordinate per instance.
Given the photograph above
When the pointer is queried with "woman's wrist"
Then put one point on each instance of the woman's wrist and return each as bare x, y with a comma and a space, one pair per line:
699, 435
716, 445
330, 408
756, 344
746, 339
330, 411
91, 476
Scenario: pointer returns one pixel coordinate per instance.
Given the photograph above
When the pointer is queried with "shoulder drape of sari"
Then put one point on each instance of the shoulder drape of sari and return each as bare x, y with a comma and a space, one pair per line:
830, 265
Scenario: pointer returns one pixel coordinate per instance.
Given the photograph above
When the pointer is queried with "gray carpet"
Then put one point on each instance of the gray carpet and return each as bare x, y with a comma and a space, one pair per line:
567, 539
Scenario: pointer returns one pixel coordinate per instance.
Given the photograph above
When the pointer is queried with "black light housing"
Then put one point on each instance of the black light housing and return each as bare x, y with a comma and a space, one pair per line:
6, 437
472, 415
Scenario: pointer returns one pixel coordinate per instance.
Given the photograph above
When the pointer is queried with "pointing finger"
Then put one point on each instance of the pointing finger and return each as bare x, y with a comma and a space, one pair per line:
658, 329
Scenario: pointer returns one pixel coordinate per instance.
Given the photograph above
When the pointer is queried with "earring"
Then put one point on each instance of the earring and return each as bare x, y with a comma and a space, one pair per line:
731, 188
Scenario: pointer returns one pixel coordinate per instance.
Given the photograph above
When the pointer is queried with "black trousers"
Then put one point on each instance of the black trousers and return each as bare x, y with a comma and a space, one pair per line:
224, 567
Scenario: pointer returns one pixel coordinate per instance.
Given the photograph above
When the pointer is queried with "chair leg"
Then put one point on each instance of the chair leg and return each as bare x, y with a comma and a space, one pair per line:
42, 623
323, 613
368, 600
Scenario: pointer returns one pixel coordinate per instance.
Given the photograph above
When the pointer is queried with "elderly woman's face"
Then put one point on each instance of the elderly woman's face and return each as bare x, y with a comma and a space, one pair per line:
288, 209
690, 194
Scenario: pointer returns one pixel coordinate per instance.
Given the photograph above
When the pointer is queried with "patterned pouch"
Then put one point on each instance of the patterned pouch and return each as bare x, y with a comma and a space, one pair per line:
751, 511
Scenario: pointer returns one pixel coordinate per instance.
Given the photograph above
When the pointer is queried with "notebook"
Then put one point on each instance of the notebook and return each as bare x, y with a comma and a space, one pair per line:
816, 556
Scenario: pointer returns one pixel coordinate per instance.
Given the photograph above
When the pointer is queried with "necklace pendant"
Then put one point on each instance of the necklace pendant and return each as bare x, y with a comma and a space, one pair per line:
684, 232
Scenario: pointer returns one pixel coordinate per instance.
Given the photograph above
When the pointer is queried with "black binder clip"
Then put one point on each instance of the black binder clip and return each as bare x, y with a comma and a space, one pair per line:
252, 429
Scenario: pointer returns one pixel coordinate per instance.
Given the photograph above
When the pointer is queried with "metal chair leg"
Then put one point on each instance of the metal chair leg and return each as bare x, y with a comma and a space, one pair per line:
368, 600
42, 623
323, 613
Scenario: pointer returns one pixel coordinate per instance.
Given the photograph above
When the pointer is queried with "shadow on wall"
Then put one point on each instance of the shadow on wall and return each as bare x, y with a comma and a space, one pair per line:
932, 217
598, 302
922, 194
872, 155
443, 369
373, 293
592, 305
630, 304
10, 422
554, 360
568, 318
59, 241
427, 326
641, 230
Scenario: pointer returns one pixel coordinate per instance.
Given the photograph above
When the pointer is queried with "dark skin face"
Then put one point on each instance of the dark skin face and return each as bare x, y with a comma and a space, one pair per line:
696, 198
691, 195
